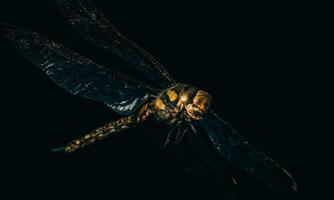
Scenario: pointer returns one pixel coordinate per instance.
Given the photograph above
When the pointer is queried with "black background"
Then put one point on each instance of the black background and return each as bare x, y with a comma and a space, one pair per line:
254, 59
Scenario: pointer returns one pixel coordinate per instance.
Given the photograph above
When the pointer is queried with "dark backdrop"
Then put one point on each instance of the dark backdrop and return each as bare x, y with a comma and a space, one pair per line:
252, 58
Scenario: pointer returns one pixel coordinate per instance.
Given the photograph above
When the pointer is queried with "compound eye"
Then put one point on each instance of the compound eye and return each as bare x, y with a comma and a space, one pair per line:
202, 101
196, 109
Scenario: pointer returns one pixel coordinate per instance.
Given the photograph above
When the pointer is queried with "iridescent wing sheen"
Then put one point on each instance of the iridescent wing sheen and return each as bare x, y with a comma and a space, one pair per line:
94, 27
236, 150
77, 74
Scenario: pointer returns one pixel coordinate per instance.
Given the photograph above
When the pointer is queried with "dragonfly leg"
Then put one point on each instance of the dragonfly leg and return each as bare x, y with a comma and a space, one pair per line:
180, 135
169, 136
101, 133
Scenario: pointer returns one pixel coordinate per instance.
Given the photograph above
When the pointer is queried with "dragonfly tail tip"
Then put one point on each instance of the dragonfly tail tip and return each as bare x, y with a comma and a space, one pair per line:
59, 149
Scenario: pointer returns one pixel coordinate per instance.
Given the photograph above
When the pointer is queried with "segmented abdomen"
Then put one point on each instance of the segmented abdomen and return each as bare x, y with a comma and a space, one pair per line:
102, 132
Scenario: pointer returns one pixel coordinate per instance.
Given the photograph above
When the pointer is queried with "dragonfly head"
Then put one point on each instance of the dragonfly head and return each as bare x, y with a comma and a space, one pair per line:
196, 102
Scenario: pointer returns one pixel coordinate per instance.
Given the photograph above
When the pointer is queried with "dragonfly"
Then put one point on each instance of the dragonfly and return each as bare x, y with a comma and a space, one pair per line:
186, 109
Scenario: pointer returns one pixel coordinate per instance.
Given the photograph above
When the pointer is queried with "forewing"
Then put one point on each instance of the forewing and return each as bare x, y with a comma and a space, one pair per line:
236, 150
90, 23
77, 74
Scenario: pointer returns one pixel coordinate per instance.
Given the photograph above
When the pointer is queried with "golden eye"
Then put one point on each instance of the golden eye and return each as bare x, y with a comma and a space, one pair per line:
196, 109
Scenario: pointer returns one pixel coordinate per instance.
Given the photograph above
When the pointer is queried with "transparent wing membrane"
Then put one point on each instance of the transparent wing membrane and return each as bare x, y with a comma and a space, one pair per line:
77, 74
236, 150
94, 27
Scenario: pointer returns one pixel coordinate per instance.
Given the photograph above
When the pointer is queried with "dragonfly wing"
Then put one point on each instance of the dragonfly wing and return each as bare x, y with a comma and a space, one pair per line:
94, 27
193, 152
236, 150
77, 74
208, 162
201, 143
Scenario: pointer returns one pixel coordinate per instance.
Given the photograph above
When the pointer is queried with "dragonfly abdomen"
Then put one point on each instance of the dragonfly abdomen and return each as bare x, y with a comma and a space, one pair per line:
100, 133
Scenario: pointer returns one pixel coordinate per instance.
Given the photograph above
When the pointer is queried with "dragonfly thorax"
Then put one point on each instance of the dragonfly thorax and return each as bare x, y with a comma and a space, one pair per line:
182, 102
